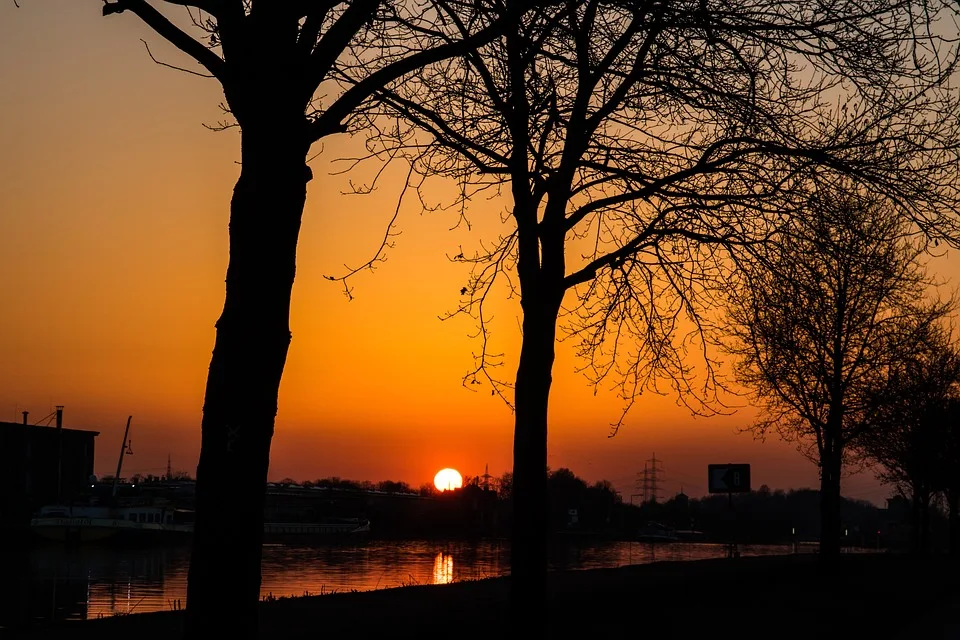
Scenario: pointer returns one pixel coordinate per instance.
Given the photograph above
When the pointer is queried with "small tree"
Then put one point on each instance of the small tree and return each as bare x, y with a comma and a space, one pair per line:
820, 321
912, 426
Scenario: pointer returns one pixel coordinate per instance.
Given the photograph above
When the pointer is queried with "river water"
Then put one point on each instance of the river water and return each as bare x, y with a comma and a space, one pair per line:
95, 581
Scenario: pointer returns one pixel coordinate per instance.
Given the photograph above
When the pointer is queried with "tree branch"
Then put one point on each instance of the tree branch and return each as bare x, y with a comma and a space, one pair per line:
331, 121
336, 39
171, 33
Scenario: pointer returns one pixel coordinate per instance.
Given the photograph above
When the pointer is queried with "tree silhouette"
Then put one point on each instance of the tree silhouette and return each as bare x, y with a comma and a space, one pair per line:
272, 60
636, 142
913, 424
821, 322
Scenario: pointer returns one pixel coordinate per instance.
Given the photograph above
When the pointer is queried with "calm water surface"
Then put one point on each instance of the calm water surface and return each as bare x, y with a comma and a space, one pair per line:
101, 581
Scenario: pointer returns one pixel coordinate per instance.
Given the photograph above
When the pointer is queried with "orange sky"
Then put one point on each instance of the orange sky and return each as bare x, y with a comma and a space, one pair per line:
113, 229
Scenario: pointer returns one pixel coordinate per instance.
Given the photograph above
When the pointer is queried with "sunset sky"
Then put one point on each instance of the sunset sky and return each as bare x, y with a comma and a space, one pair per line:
113, 228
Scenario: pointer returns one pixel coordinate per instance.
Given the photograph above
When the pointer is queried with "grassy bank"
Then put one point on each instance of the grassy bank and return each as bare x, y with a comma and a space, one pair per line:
870, 596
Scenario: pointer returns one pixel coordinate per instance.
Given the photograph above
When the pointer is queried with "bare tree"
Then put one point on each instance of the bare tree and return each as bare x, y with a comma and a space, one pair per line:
636, 142
913, 426
830, 312
276, 62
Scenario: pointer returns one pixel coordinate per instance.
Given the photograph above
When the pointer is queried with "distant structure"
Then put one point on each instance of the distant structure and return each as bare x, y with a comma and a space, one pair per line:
41, 465
650, 481
169, 469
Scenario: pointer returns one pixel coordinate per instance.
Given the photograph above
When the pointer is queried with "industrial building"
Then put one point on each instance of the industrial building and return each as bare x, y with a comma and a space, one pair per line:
41, 465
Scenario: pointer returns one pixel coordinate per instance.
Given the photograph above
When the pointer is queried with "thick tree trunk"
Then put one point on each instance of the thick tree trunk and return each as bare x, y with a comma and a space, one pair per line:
528, 552
830, 467
240, 405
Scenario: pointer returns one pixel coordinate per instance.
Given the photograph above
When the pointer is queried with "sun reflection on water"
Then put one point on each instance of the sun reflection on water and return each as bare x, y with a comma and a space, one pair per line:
443, 568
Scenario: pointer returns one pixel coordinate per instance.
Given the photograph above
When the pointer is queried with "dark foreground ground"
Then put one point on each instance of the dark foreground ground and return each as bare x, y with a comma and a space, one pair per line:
869, 596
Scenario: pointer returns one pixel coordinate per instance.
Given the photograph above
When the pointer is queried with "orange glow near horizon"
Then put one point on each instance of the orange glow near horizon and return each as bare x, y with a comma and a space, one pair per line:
114, 206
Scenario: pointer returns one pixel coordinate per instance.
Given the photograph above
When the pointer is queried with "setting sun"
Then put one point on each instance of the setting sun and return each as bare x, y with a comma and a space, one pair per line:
447, 479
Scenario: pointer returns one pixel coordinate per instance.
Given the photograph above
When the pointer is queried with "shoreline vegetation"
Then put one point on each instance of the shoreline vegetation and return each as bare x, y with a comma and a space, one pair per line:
482, 509
883, 595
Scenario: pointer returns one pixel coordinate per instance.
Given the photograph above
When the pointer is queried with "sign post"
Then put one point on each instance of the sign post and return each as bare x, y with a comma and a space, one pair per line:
729, 479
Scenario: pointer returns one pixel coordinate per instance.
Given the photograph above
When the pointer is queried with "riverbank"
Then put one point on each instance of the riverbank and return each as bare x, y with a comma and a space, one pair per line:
871, 595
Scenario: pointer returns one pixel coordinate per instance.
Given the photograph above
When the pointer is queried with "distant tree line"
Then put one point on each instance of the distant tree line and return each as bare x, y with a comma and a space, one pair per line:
336, 482
578, 508
767, 516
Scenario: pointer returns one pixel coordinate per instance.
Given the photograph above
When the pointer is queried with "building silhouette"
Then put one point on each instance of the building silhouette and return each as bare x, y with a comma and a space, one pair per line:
41, 465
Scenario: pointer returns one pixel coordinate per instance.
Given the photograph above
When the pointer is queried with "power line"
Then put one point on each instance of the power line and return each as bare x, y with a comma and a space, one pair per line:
650, 480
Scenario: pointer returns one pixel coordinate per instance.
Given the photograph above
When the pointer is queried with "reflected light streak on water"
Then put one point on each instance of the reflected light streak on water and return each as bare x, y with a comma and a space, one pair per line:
443, 568
101, 581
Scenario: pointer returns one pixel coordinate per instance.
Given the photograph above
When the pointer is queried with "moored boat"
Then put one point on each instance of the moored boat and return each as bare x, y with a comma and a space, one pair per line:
90, 523
331, 526
656, 532
159, 523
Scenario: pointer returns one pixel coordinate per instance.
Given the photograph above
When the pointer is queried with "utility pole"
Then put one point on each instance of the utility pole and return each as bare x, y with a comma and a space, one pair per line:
169, 469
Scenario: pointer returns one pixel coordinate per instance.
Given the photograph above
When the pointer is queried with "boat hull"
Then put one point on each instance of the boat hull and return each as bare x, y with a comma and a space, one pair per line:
308, 532
91, 530
97, 529
657, 538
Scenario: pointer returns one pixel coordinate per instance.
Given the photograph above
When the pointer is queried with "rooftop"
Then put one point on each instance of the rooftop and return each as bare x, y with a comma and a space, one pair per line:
21, 426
